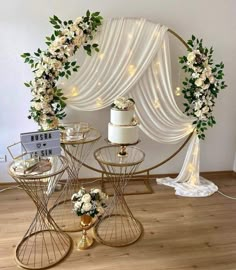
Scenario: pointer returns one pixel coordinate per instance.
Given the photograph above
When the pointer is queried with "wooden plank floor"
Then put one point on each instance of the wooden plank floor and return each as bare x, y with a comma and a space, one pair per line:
179, 233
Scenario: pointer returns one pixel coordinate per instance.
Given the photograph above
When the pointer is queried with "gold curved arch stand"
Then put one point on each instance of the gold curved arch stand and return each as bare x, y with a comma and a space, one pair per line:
149, 169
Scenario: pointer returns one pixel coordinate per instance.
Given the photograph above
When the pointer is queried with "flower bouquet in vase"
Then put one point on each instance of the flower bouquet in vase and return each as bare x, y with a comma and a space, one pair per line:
87, 205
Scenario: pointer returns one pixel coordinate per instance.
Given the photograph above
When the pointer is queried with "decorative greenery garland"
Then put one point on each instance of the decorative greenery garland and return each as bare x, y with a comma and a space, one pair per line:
48, 103
201, 88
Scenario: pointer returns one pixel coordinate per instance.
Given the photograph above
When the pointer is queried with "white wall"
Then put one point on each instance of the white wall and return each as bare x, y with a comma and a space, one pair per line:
24, 25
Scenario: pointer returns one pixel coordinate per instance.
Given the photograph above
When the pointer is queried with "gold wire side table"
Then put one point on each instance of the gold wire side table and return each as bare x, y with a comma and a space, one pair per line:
117, 226
76, 153
44, 244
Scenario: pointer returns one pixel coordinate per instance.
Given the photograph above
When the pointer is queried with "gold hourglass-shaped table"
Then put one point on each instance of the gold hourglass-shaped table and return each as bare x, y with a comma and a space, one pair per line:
117, 226
76, 151
44, 244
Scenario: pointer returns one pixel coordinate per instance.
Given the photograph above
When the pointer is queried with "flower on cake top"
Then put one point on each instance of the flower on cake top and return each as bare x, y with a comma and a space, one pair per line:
89, 203
123, 103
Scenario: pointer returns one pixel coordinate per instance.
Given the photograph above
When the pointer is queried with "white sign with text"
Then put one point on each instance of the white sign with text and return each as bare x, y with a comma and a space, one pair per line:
42, 143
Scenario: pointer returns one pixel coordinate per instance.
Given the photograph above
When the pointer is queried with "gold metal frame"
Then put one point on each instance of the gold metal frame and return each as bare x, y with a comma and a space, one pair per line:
76, 153
44, 244
149, 169
117, 226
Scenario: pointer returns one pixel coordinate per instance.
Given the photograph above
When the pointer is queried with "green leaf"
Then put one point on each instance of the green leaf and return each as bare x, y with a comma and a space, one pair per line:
27, 84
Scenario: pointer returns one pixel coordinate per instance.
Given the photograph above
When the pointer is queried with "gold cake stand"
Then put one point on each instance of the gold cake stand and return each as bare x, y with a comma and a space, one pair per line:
44, 244
117, 226
76, 152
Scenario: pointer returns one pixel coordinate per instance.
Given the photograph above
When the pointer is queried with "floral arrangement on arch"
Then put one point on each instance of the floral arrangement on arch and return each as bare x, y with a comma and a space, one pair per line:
123, 103
48, 66
89, 203
201, 88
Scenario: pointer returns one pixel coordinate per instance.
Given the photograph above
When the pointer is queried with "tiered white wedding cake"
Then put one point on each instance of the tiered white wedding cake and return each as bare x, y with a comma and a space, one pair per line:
123, 128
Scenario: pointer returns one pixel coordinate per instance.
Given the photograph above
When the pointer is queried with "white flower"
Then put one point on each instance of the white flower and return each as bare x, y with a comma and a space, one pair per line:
203, 76
191, 57
87, 206
197, 105
78, 20
205, 109
199, 82
86, 198
37, 106
77, 205
205, 86
96, 190
212, 79
195, 75
40, 71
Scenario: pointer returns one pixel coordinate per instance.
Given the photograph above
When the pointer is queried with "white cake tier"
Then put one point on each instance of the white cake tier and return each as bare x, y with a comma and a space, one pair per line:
123, 134
122, 118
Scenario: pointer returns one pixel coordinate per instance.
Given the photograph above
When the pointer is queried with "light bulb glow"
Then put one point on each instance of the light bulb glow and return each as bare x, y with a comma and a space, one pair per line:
178, 91
132, 70
101, 56
156, 104
191, 168
99, 102
74, 91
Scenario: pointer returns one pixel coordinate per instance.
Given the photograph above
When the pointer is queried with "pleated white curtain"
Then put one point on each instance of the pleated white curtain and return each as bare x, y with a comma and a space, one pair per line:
134, 60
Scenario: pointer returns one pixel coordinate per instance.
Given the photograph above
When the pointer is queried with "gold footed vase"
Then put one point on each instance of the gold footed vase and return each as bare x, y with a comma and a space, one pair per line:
85, 241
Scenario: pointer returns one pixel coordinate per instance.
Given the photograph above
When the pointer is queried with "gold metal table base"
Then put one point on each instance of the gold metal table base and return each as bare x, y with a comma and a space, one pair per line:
44, 244
118, 230
117, 226
76, 153
43, 249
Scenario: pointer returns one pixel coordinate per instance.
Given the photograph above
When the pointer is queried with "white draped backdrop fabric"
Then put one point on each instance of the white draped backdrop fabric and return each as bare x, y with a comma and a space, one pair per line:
134, 60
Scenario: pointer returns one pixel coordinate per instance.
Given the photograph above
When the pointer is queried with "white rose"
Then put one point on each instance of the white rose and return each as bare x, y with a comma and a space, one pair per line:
87, 207
96, 190
197, 105
78, 41
195, 75
77, 205
199, 82
77, 20
37, 106
39, 72
205, 86
205, 109
212, 79
203, 76
86, 198
191, 57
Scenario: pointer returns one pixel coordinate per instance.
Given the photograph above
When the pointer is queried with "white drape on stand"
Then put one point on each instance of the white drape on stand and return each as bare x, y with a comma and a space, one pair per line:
134, 60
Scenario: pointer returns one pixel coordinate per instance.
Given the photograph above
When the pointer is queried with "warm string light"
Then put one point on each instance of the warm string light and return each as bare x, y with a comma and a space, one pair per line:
99, 102
130, 36
189, 128
178, 91
132, 70
156, 104
193, 178
191, 168
156, 67
74, 91
101, 55
99, 83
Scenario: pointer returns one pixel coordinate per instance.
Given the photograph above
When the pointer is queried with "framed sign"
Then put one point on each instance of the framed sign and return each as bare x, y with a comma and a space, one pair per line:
42, 143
